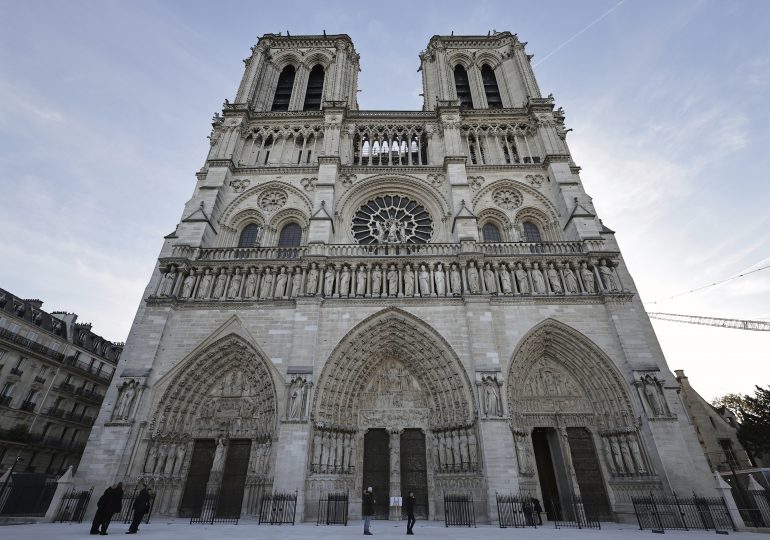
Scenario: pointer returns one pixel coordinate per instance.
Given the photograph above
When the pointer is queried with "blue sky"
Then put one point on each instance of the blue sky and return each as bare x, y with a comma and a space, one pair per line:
105, 108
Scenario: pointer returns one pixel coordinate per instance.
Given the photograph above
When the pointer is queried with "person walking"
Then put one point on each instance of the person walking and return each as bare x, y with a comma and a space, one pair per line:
101, 509
108, 504
409, 508
538, 510
141, 507
368, 509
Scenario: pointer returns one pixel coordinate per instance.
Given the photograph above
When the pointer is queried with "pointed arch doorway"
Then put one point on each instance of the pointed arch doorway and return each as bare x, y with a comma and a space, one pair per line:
393, 410
569, 408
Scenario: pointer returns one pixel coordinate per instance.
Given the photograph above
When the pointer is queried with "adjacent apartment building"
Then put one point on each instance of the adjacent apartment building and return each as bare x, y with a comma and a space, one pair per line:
54, 373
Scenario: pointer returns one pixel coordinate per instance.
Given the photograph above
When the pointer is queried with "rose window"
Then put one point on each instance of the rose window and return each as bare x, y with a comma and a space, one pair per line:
507, 198
272, 200
392, 219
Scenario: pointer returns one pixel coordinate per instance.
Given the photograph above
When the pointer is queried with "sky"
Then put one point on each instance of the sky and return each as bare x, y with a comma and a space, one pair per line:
105, 107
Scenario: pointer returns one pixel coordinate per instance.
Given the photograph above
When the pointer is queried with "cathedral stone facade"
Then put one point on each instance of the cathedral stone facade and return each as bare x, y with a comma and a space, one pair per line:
410, 300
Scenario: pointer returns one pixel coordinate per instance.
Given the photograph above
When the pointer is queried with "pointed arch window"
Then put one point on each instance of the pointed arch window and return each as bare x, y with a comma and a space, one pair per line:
463, 87
315, 87
490, 87
291, 235
531, 232
249, 236
491, 233
283, 90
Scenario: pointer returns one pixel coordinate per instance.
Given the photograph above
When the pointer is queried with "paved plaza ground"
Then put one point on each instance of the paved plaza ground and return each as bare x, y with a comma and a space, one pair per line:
172, 529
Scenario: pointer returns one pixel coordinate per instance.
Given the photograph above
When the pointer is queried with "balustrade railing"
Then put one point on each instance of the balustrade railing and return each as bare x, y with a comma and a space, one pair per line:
491, 249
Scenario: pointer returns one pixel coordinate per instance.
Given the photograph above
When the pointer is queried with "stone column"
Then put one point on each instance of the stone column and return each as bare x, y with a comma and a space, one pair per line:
395, 471
726, 492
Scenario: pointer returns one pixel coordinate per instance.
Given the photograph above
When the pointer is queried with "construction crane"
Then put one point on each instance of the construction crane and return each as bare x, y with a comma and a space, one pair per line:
738, 324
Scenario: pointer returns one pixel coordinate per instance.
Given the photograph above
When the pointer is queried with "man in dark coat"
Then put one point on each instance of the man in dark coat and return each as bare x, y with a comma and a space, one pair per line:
368, 509
108, 504
409, 508
538, 510
140, 508
101, 510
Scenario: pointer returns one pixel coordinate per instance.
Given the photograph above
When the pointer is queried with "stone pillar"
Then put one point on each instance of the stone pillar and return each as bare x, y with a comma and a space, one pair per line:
757, 492
499, 460
395, 471
291, 464
726, 492
63, 485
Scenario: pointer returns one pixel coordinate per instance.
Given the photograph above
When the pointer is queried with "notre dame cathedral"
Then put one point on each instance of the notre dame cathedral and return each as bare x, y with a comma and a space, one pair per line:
415, 301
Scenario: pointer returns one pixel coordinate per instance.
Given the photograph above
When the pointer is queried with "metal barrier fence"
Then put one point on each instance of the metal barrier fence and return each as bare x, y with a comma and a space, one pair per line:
459, 510
573, 513
126, 514
211, 513
278, 508
517, 511
333, 509
73, 506
684, 513
27, 494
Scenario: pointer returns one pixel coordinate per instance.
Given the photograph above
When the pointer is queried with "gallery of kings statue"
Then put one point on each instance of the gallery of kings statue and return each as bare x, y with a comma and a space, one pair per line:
415, 301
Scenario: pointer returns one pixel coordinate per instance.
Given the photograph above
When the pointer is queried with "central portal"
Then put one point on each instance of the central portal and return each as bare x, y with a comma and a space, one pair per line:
414, 470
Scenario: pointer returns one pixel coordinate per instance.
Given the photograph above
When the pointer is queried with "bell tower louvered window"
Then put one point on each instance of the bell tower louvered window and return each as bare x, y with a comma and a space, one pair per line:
490, 87
283, 90
315, 86
463, 87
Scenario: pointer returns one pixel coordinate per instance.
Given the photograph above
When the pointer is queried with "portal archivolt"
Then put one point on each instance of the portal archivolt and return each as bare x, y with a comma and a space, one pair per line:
393, 348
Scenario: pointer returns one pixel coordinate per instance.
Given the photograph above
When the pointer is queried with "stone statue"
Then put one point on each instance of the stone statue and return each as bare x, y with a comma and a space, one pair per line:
489, 279
296, 282
251, 284
652, 394
455, 280
205, 285
376, 281
127, 394
505, 279
440, 280
521, 279
329, 281
616, 457
218, 463
491, 398
626, 453
345, 281
523, 454
538, 283
392, 281
473, 278
553, 279
152, 457
379, 234
312, 280
167, 284
570, 281
610, 282
219, 285
181, 451
361, 281
280, 282
608, 457
188, 284
235, 284
636, 453
588, 278
408, 280
297, 399
317, 447
266, 288
424, 279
